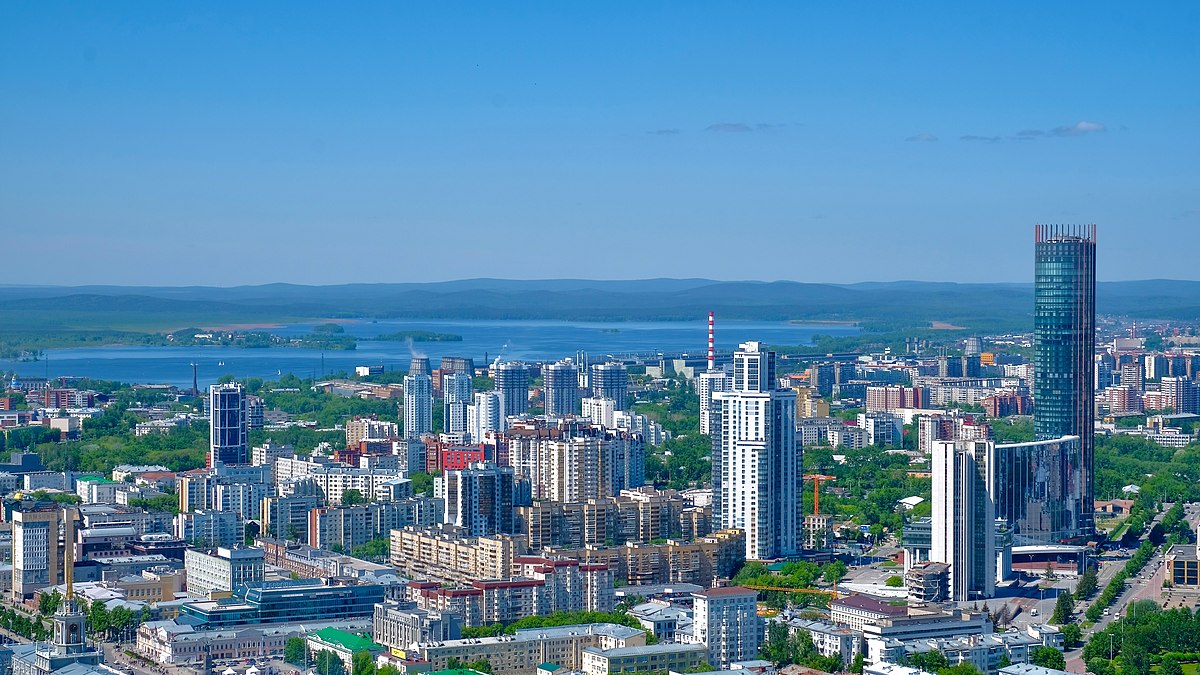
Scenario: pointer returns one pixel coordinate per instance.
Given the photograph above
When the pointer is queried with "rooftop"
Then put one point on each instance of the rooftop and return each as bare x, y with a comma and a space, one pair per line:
871, 604
726, 592
348, 641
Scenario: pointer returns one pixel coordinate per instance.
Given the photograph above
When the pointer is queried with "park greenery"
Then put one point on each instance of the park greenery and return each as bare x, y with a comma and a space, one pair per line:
1147, 635
784, 647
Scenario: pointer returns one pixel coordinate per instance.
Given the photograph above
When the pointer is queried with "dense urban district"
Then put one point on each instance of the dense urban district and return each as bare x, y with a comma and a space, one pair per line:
1021, 503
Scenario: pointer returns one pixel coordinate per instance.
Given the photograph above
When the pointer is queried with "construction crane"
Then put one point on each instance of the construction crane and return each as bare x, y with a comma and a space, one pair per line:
816, 478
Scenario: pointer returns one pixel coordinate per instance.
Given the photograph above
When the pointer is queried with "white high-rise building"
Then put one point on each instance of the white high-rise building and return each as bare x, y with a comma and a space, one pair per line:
727, 623
418, 405
611, 380
512, 385
456, 396
600, 411
708, 384
757, 468
561, 386
964, 516
484, 415
228, 425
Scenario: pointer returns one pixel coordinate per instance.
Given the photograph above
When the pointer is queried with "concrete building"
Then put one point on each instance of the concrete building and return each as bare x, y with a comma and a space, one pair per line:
701, 562
37, 547
483, 417
571, 461
444, 557
523, 652
398, 625
456, 397
663, 657
348, 527
964, 516
726, 622
221, 570
561, 388
757, 467
228, 425
707, 385
210, 528
479, 499
342, 644
512, 388
362, 428
418, 405
611, 380
182, 644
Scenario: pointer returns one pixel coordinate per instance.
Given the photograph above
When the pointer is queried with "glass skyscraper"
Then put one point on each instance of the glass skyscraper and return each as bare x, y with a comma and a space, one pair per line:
1064, 326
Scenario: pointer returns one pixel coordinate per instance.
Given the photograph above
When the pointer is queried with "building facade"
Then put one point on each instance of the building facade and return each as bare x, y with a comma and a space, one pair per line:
964, 516
1064, 327
228, 425
756, 467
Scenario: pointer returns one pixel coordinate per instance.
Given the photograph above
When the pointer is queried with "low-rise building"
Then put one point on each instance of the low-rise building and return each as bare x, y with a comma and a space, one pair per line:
523, 652
173, 643
667, 657
398, 625
343, 644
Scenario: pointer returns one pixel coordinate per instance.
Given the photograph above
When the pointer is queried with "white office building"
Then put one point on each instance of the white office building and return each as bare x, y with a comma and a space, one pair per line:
757, 468
964, 516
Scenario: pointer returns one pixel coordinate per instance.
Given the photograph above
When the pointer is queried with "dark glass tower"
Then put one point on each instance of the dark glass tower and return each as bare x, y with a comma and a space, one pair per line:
1064, 326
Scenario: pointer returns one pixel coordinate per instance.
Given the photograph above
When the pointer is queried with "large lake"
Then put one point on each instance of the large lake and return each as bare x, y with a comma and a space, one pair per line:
528, 340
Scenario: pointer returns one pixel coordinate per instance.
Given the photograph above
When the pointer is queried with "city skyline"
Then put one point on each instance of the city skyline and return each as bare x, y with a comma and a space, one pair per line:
143, 132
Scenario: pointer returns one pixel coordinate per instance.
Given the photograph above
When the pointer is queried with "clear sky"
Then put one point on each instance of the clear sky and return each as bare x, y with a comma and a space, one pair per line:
175, 143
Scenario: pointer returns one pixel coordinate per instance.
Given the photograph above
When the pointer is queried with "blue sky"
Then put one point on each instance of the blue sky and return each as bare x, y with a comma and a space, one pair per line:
222, 144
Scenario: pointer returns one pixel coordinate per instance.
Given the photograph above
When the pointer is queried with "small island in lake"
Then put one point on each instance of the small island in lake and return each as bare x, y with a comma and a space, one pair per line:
418, 336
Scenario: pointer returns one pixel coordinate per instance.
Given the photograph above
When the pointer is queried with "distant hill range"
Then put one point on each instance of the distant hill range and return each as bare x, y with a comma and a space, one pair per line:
875, 305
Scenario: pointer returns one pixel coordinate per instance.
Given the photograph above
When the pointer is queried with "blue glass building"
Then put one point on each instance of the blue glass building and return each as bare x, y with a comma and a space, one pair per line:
1064, 326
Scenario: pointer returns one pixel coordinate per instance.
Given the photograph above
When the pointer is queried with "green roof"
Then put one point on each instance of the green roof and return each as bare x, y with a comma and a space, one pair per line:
549, 667
94, 479
349, 641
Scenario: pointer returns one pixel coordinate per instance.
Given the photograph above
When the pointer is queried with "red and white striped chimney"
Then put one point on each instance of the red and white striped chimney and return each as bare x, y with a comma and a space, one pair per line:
712, 355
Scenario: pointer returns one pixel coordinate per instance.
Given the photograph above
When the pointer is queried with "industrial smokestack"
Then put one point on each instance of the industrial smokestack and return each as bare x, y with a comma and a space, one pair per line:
712, 355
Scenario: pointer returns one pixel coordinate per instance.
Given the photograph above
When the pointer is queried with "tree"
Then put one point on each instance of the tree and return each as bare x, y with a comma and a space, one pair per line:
1048, 657
1087, 584
362, 663
388, 669
1049, 574
294, 651
833, 572
352, 497
1169, 666
48, 603
98, 618
962, 668
931, 661
894, 581
1063, 607
1072, 634
1004, 661
856, 666
1003, 616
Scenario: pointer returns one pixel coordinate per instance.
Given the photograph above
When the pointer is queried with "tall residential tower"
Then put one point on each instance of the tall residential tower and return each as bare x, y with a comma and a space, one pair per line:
756, 465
